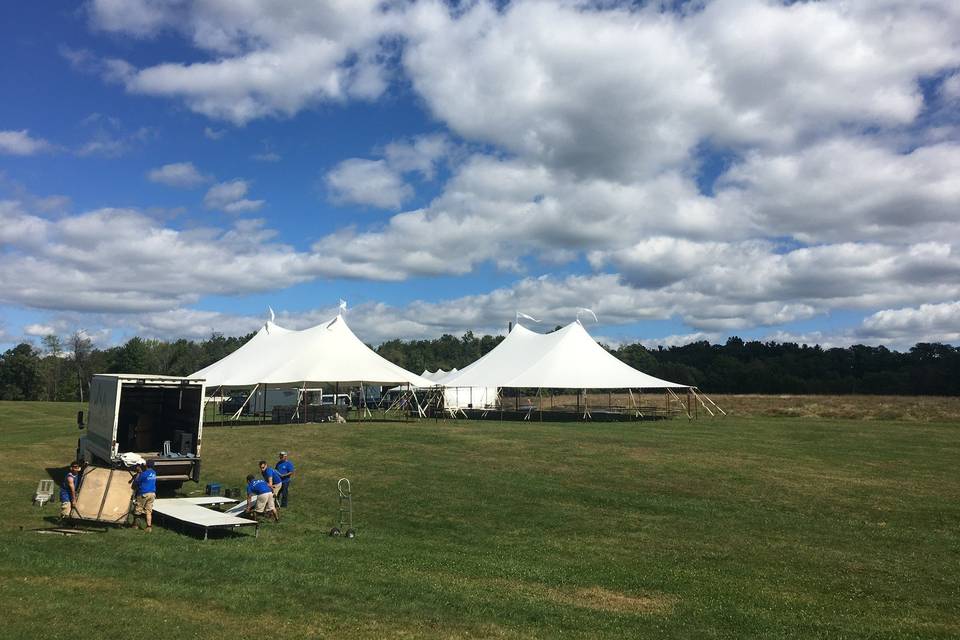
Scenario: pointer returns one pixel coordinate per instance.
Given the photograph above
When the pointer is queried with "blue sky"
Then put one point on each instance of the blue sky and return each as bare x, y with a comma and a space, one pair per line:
772, 170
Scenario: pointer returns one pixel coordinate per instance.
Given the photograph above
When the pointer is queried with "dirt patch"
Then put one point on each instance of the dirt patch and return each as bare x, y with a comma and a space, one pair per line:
595, 598
641, 454
601, 599
853, 407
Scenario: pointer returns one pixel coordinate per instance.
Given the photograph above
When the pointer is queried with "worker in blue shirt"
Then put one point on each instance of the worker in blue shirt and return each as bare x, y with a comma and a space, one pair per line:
145, 484
272, 477
260, 498
285, 469
68, 491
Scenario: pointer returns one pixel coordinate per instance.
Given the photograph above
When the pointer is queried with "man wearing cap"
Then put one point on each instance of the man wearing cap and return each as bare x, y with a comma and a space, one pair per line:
145, 483
68, 490
272, 477
260, 498
285, 469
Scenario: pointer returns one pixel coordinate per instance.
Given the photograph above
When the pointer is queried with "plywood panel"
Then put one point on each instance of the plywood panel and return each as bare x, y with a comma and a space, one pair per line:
105, 495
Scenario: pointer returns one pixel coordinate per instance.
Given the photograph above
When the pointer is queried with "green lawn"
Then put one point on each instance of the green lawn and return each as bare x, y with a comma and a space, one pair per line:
733, 528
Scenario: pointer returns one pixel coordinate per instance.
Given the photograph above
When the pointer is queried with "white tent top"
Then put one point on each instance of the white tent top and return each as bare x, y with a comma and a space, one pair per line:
565, 359
326, 353
437, 376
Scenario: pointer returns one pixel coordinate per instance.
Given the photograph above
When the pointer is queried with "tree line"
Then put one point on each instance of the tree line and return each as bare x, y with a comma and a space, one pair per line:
60, 369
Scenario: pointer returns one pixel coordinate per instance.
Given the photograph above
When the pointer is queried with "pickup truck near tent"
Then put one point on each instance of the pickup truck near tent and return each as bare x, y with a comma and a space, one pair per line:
158, 418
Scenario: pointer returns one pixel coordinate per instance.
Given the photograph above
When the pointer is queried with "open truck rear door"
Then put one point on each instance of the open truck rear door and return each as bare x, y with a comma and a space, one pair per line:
105, 495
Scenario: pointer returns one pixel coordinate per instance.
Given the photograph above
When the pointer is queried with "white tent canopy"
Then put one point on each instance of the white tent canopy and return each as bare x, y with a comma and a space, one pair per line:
326, 353
462, 397
565, 359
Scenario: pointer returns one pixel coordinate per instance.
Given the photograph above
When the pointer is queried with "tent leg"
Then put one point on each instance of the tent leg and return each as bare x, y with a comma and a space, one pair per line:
252, 393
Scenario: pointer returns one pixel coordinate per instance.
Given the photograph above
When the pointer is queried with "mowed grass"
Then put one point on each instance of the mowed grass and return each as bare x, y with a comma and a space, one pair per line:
730, 528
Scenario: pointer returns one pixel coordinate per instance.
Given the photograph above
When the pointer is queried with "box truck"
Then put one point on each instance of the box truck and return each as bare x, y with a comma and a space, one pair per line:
159, 418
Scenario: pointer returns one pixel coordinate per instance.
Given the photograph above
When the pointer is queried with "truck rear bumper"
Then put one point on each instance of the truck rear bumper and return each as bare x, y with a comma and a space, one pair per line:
176, 469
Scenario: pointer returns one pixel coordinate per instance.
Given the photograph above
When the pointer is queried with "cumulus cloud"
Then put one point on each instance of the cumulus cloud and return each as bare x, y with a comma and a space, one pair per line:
269, 60
370, 182
230, 197
926, 323
21, 143
183, 175
420, 154
39, 330
60, 264
381, 183
547, 80
846, 188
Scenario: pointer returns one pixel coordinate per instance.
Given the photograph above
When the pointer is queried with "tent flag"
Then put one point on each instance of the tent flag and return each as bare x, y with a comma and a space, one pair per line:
585, 310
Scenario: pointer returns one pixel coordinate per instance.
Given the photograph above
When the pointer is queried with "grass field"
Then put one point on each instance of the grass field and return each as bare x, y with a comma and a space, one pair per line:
746, 527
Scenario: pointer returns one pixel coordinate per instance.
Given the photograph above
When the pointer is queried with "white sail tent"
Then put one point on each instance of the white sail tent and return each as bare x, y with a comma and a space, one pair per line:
326, 353
565, 359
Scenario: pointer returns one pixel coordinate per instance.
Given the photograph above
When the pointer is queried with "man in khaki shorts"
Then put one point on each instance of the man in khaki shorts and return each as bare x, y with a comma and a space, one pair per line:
145, 483
273, 479
260, 498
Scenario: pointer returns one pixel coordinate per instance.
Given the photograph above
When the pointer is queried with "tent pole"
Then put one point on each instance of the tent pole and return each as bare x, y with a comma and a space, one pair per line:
541, 403
249, 397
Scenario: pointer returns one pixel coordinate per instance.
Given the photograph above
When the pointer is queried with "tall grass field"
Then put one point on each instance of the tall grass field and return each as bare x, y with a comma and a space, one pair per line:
741, 527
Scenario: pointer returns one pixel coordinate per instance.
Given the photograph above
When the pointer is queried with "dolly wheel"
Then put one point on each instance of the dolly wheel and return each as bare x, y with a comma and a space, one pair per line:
335, 532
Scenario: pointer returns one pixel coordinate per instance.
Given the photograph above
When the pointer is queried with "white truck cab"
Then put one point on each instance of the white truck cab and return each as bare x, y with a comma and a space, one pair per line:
159, 418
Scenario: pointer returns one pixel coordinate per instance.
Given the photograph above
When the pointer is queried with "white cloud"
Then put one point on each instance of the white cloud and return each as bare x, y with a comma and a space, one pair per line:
951, 87
214, 134
926, 323
847, 188
420, 154
21, 143
140, 265
230, 197
370, 182
548, 80
267, 156
270, 60
39, 330
183, 175
110, 139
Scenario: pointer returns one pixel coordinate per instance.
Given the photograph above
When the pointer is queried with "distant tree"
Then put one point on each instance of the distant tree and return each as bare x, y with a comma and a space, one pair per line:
131, 357
20, 377
54, 352
81, 345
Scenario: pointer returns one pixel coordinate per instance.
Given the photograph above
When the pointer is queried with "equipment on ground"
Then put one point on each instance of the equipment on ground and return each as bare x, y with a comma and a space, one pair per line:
193, 513
105, 495
344, 511
44, 492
